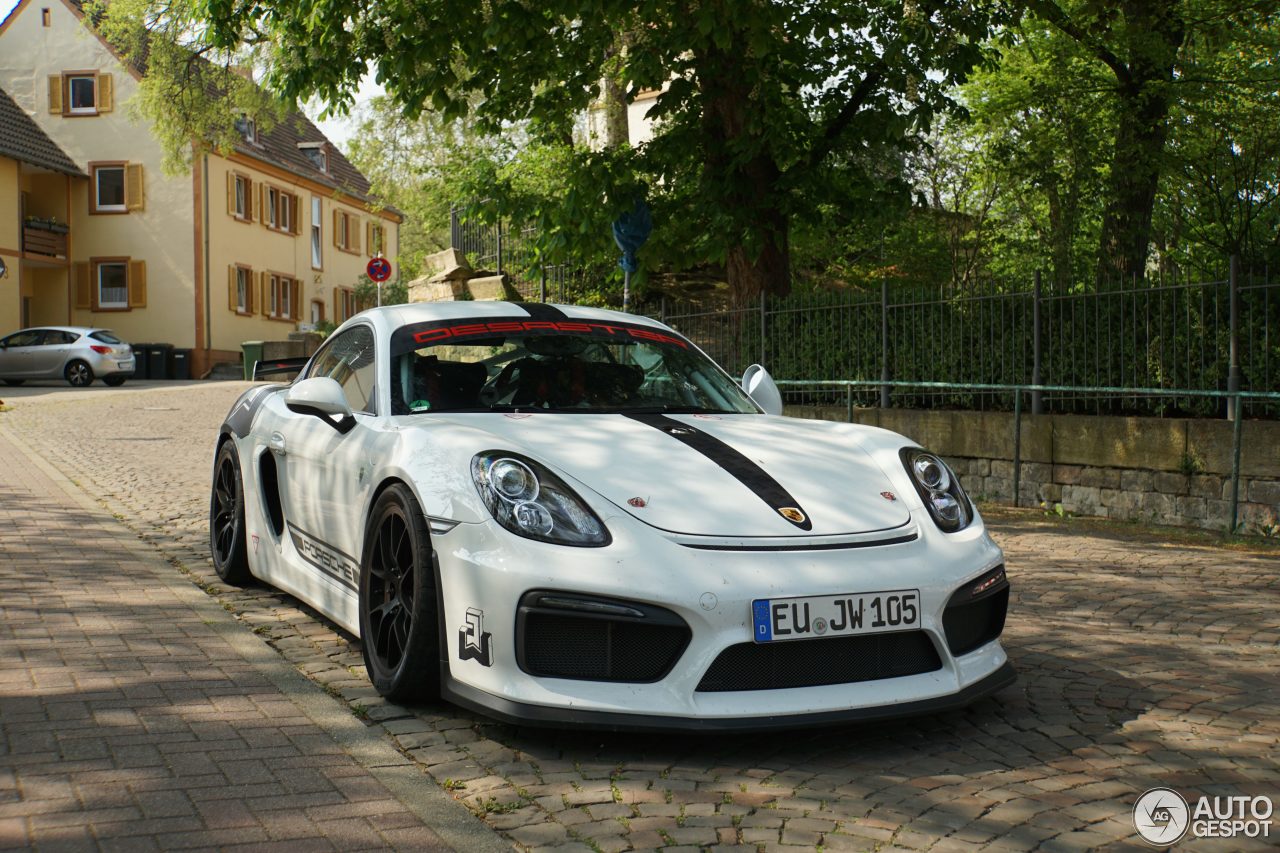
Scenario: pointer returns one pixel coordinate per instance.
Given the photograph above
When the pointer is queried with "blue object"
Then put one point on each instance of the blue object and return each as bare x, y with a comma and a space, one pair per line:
630, 231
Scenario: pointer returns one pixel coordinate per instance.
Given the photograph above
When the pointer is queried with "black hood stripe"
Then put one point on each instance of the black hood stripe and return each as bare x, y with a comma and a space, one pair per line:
738, 466
542, 311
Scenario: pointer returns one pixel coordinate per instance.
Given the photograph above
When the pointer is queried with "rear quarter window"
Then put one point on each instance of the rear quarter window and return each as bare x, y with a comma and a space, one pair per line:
105, 337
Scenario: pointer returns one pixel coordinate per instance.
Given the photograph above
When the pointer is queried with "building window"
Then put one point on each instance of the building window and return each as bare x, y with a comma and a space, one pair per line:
115, 187
240, 289
108, 188
280, 209
113, 284
317, 312
345, 305
110, 284
44, 17
316, 153
317, 255
282, 297
248, 128
80, 93
375, 238
346, 232
240, 196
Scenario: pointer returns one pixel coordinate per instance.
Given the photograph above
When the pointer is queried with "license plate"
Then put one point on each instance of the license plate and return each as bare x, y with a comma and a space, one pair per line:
778, 619
126, 364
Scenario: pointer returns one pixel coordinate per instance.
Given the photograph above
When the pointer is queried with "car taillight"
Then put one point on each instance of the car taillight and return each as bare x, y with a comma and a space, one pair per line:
100, 350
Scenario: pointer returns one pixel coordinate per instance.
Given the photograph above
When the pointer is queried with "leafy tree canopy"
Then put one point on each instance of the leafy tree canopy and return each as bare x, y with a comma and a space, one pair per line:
762, 105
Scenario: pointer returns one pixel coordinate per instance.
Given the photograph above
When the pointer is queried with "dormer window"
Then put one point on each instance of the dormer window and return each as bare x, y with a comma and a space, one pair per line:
317, 153
248, 128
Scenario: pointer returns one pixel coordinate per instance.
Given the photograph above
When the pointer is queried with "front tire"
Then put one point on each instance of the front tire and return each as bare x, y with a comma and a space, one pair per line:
226, 518
398, 607
78, 373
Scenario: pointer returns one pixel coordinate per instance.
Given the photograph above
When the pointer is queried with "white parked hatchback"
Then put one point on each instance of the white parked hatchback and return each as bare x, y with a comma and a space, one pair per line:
77, 354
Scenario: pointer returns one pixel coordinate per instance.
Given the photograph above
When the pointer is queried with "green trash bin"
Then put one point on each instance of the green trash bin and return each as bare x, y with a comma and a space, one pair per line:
252, 355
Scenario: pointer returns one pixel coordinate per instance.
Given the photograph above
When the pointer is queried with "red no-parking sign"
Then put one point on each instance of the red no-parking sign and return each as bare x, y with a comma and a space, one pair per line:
379, 269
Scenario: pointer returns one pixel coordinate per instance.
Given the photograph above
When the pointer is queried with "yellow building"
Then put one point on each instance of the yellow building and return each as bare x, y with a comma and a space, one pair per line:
247, 246
36, 180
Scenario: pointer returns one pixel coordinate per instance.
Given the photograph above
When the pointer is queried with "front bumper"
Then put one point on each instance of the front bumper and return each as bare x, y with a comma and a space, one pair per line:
485, 571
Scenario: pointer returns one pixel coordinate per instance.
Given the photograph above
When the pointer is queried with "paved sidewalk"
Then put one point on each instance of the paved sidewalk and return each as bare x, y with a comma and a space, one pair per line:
137, 714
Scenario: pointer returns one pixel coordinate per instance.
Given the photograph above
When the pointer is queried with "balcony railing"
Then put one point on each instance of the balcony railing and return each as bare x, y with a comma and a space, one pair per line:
43, 237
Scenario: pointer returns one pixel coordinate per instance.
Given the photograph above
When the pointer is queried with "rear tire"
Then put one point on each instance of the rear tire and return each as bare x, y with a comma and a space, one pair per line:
399, 612
226, 518
114, 381
78, 373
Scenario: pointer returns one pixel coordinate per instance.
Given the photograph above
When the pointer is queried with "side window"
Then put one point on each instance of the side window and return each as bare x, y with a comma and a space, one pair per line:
349, 359
23, 339
55, 338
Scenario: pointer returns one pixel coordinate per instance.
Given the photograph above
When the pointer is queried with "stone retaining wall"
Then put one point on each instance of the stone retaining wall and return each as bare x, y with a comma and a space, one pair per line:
1165, 470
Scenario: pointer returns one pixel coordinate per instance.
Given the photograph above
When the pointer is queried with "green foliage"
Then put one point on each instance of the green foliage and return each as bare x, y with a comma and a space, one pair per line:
760, 102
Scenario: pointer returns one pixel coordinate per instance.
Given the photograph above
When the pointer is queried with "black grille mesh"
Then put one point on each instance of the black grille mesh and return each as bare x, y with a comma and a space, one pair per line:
812, 663
975, 623
568, 646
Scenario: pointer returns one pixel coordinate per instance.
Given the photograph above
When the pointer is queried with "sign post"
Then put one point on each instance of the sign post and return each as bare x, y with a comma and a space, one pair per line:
379, 270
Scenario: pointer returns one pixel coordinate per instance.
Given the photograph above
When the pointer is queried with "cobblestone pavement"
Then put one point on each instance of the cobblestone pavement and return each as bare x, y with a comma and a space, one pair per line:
1141, 663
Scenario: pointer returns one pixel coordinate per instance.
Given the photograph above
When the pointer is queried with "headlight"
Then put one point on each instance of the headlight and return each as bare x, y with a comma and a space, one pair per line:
530, 501
939, 488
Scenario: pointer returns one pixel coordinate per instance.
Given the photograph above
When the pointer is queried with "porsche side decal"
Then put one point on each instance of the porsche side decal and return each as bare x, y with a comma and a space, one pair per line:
738, 466
473, 642
240, 421
341, 567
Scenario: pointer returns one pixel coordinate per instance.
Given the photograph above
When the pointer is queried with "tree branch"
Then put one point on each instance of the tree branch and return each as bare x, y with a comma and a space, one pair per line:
1052, 13
840, 123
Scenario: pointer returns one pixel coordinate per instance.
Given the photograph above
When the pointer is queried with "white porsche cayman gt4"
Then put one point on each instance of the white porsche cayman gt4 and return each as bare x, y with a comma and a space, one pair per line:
573, 517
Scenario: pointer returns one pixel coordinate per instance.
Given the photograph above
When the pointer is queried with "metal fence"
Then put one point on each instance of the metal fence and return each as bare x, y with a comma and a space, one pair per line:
1176, 335
502, 248
1221, 335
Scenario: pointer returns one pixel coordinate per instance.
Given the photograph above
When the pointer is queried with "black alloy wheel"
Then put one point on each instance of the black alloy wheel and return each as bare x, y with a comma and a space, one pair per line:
78, 373
226, 518
398, 608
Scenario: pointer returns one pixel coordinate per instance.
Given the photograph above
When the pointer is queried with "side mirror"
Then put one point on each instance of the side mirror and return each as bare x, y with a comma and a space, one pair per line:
760, 386
321, 397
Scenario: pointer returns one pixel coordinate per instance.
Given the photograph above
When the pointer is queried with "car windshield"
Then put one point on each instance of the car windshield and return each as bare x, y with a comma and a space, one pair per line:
510, 365
105, 336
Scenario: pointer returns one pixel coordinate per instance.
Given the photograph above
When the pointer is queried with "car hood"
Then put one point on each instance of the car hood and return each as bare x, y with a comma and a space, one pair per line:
729, 476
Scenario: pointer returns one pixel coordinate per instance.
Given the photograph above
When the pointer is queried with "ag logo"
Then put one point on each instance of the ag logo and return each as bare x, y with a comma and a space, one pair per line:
1161, 816
473, 642
792, 514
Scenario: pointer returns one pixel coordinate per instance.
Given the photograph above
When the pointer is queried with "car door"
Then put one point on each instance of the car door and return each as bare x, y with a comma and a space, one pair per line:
17, 353
325, 474
51, 355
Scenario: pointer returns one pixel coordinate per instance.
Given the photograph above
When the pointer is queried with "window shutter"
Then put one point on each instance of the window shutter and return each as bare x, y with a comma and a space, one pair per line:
231, 288
265, 307
248, 200
231, 193
250, 293
337, 218
84, 297
353, 234
296, 211
337, 306
262, 201
368, 237
295, 299
134, 199
55, 94
106, 93
137, 284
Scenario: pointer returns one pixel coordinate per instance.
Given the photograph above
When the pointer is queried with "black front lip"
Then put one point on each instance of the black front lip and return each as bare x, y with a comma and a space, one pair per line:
521, 713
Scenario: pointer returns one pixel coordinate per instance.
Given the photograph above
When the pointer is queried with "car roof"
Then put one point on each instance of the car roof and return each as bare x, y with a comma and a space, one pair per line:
395, 316
80, 330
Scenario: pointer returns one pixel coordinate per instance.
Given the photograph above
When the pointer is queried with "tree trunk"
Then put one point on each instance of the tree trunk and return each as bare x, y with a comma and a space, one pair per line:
758, 259
1156, 32
613, 96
